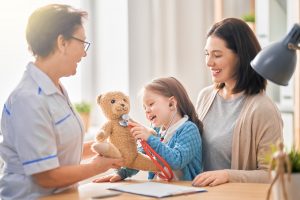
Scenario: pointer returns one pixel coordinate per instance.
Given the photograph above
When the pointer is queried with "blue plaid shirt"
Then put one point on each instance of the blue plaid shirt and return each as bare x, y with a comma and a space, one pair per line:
182, 152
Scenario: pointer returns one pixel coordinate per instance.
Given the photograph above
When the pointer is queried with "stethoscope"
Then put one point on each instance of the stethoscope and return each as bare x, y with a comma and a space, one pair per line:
166, 172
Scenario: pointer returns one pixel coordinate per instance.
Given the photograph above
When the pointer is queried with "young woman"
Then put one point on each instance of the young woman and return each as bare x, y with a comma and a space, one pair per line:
175, 137
42, 134
240, 121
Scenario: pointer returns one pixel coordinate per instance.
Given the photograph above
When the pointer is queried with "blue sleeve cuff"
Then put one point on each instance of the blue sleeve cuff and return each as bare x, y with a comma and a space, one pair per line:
126, 172
151, 175
34, 167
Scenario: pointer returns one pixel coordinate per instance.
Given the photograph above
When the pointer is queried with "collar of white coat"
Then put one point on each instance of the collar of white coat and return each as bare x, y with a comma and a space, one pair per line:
43, 80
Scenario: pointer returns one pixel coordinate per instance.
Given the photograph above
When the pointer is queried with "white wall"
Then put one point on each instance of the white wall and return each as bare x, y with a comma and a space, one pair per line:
274, 20
106, 67
13, 48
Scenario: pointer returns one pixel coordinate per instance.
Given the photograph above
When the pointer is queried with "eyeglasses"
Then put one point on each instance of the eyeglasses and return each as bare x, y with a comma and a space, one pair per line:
86, 44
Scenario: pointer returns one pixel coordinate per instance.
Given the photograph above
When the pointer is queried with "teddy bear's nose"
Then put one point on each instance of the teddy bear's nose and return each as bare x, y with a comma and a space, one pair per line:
122, 104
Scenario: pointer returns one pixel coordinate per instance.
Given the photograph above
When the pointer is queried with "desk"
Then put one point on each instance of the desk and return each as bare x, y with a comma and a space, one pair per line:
229, 191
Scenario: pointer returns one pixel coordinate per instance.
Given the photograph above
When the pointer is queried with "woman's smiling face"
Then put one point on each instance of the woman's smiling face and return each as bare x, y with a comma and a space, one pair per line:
221, 60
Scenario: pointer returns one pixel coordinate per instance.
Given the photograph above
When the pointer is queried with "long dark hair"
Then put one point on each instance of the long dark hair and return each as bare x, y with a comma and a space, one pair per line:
170, 86
239, 37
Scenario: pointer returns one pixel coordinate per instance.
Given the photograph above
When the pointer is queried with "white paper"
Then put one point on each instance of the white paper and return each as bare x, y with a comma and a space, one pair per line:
155, 189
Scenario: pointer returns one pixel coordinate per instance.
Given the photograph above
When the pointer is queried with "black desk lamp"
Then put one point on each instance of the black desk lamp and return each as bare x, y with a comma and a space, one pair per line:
277, 61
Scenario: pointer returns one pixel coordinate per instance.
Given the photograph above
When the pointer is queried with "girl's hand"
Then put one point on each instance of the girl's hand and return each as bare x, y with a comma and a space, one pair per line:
108, 178
211, 178
139, 131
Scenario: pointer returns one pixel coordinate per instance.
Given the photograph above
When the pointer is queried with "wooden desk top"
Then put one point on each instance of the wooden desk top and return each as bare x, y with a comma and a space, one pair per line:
229, 191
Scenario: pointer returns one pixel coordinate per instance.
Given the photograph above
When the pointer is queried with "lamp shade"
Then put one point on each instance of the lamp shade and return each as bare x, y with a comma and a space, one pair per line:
277, 61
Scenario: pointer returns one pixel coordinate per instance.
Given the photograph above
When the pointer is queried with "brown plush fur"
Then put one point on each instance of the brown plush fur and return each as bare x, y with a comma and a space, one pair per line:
121, 142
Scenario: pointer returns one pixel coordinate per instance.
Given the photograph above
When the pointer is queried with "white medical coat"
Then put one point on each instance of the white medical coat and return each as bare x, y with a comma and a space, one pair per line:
41, 131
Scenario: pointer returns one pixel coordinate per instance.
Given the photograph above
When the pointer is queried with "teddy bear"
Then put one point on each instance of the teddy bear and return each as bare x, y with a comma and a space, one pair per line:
116, 105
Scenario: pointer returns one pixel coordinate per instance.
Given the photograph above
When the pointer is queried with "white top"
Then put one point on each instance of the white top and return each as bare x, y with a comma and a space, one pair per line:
41, 131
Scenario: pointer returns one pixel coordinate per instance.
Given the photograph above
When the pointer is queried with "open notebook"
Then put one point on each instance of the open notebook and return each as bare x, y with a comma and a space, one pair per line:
155, 189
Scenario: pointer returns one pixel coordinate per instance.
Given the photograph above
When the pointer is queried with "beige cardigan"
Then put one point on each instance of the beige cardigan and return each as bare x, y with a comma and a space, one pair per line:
258, 126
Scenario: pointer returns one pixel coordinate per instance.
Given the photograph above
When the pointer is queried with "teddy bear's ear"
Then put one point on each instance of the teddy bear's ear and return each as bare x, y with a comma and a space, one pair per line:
99, 98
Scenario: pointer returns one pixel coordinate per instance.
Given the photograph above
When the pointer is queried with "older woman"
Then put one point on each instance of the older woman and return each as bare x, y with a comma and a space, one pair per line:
42, 134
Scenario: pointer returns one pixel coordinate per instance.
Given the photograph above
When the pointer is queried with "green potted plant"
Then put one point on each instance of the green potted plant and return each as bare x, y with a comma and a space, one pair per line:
292, 185
293, 188
295, 160
84, 109
250, 20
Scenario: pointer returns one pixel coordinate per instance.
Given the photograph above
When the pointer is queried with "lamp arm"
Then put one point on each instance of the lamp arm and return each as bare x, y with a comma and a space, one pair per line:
293, 38
292, 46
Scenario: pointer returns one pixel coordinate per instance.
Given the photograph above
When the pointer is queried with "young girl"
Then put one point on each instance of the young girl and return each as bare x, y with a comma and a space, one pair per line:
175, 137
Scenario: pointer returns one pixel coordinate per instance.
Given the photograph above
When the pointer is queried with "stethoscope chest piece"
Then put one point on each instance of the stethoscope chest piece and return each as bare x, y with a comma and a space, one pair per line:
124, 120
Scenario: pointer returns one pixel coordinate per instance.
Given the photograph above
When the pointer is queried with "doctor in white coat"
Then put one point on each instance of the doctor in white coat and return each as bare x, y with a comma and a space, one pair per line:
42, 133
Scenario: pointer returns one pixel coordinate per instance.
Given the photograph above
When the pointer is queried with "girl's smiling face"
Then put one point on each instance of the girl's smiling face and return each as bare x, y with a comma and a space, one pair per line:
157, 108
